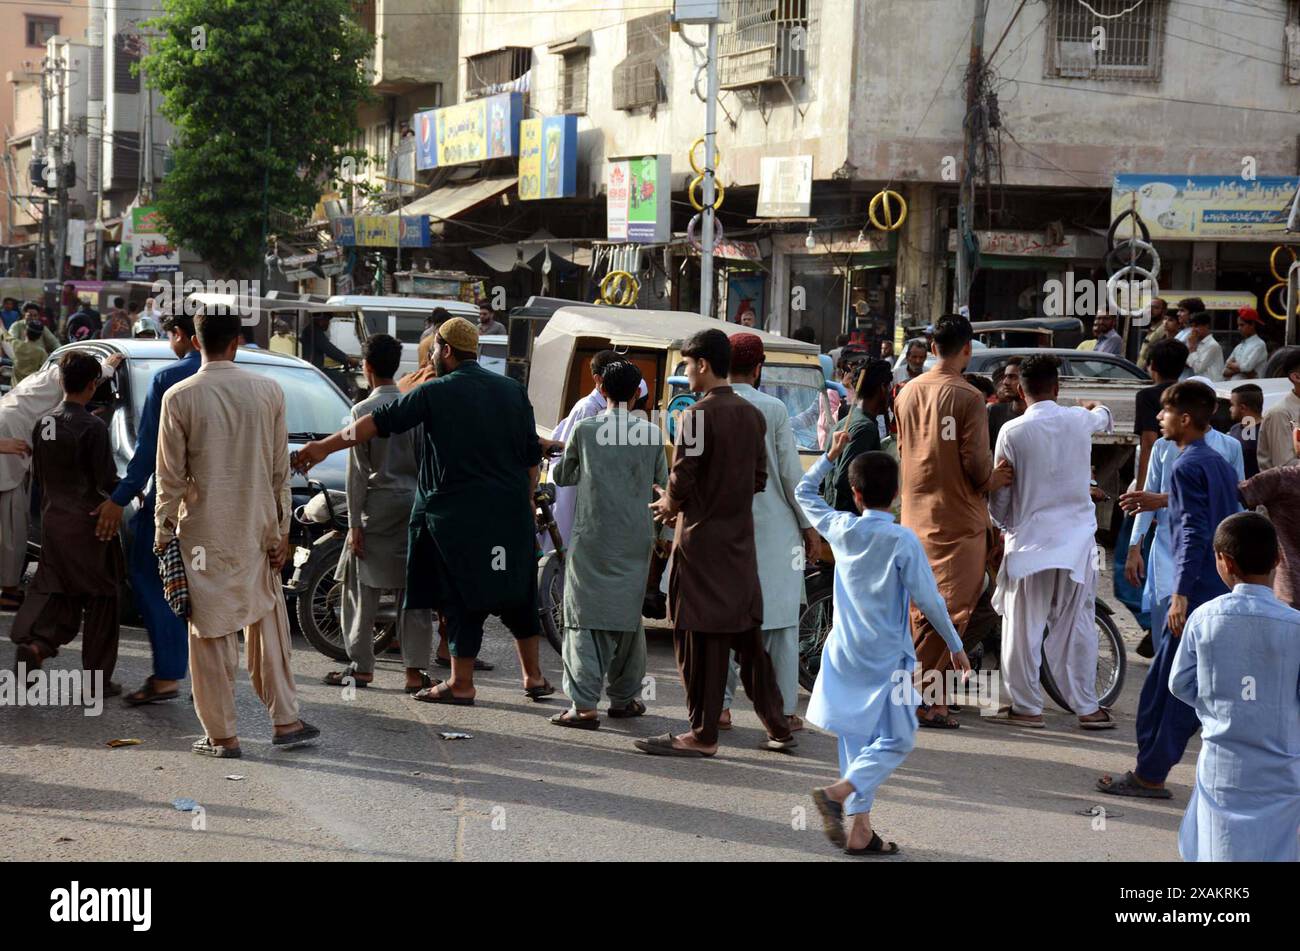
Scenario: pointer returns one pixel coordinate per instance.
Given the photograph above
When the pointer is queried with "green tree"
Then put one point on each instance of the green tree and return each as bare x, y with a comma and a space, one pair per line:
263, 95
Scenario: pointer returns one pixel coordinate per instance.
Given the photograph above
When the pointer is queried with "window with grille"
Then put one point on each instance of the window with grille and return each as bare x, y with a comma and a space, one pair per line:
1082, 45
641, 79
126, 53
573, 82
40, 29
765, 41
1291, 43
499, 71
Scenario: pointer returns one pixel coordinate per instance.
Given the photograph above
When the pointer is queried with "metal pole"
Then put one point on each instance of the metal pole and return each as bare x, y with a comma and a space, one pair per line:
966, 214
710, 136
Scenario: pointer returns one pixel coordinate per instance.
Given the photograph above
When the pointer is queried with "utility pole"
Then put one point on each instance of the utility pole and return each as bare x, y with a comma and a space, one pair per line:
61, 171
971, 145
710, 140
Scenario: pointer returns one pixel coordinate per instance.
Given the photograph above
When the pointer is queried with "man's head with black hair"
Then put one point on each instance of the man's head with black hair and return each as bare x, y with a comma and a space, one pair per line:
1245, 549
952, 337
873, 477
80, 375
1040, 377
873, 384
842, 340
1290, 367
439, 317
1188, 306
1201, 319
708, 360
217, 333
601, 360
1186, 413
982, 383
805, 334
179, 328
381, 355
620, 382
1246, 400
1167, 359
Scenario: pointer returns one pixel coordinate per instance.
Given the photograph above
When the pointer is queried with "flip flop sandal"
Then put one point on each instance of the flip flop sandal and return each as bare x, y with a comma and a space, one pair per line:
478, 664
832, 814
304, 734
1004, 715
633, 709
779, 746
725, 724
147, 694
796, 723
431, 694
663, 746
1130, 787
205, 747
425, 683
576, 722
336, 678
1106, 724
876, 847
937, 723
544, 689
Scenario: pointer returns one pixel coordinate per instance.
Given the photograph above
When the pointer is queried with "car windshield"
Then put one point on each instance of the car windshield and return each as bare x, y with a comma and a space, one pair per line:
311, 403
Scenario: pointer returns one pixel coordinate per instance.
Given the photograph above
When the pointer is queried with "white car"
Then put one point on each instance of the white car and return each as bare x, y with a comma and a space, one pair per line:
1275, 389
400, 317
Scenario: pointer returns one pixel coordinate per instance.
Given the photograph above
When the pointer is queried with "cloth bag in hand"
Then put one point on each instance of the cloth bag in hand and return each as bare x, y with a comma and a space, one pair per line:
176, 587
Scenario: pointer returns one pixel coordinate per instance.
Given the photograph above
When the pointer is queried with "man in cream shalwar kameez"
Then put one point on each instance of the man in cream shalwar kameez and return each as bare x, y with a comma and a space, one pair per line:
381, 478
1048, 576
36, 396
223, 490
779, 523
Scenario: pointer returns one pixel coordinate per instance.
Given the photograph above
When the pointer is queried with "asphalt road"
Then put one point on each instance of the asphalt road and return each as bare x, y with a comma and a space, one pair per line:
383, 783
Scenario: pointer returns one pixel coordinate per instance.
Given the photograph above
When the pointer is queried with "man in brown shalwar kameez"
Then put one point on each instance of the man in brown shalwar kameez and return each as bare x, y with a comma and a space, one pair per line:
719, 465
947, 470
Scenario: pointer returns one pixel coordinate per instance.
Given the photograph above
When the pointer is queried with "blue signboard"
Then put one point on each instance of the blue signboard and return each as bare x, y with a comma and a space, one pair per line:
548, 158
382, 231
472, 131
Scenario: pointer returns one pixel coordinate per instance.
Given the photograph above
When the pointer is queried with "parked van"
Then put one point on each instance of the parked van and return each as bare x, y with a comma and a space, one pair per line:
400, 317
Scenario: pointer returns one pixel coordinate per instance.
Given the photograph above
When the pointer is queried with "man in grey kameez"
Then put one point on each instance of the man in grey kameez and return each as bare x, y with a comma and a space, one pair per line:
381, 480
782, 533
615, 460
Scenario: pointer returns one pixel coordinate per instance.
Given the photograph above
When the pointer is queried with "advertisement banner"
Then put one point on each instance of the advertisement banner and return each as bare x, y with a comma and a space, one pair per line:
637, 202
469, 132
548, 158
1206, 207
785, 186
145, 251
381, 231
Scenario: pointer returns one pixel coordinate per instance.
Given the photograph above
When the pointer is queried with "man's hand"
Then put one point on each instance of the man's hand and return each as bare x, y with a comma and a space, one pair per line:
551, 447
662, 508
1135, 569
1134, 502
357, 541
838, 442
114, 360
309, 455
1089, 405
1177, 615
1003, 474
110, 520
961, 662
812, 545
279, 554
15, 447
1230, 368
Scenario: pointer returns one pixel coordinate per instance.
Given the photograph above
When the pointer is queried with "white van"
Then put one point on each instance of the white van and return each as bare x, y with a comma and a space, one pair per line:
400, 317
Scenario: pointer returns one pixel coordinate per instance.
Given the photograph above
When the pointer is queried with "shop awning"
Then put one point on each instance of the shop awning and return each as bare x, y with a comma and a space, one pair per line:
530, 253
448, 202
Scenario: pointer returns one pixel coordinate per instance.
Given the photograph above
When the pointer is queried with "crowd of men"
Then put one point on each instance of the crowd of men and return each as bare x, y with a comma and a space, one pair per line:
951, 512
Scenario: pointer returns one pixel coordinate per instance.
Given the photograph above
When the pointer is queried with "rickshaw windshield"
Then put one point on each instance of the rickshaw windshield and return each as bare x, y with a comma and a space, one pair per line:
800, 388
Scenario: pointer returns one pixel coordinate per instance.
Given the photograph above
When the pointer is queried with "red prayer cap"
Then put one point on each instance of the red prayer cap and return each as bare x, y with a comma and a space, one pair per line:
1249, 314
746, 351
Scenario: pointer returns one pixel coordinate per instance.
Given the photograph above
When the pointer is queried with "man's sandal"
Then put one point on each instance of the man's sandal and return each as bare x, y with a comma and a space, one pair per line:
876, 847
1130, 787
832, 814
576, 721
633, 708
1010, 717
1107, 724
431, 694
205, 747
148, 694
341, 678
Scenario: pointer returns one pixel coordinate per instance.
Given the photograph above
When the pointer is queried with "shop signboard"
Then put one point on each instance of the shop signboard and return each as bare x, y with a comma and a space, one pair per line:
381, 231
473, 131
1206, 207
637, 204
548, 158
145, 250
785, 186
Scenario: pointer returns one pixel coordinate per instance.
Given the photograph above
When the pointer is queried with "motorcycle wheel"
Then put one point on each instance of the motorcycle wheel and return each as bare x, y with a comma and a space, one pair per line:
1112, 665
318, 602
550, 599
814, 625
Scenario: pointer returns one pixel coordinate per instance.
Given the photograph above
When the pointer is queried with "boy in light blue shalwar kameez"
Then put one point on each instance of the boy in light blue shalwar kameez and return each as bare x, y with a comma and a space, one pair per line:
864, 692
1238, 666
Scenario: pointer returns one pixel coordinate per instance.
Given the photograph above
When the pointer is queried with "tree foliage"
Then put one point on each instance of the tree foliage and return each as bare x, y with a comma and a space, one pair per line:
263, 95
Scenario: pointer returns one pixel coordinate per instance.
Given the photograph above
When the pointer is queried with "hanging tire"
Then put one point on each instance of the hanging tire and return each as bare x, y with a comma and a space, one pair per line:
550, 599
318, 603
815, 624
1112, 664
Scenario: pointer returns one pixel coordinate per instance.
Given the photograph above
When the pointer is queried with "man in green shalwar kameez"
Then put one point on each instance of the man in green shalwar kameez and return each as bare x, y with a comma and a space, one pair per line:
472, 549
615, 460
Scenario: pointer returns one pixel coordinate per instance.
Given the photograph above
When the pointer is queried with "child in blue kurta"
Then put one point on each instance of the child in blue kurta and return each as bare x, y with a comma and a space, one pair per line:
864, 692
1238, 666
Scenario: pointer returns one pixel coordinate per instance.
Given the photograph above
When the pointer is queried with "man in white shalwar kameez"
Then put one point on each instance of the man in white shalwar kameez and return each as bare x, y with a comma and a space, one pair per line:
1048, 576
864, 692
782, 534
35, 397
593, 404
1238, 667
223, 492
